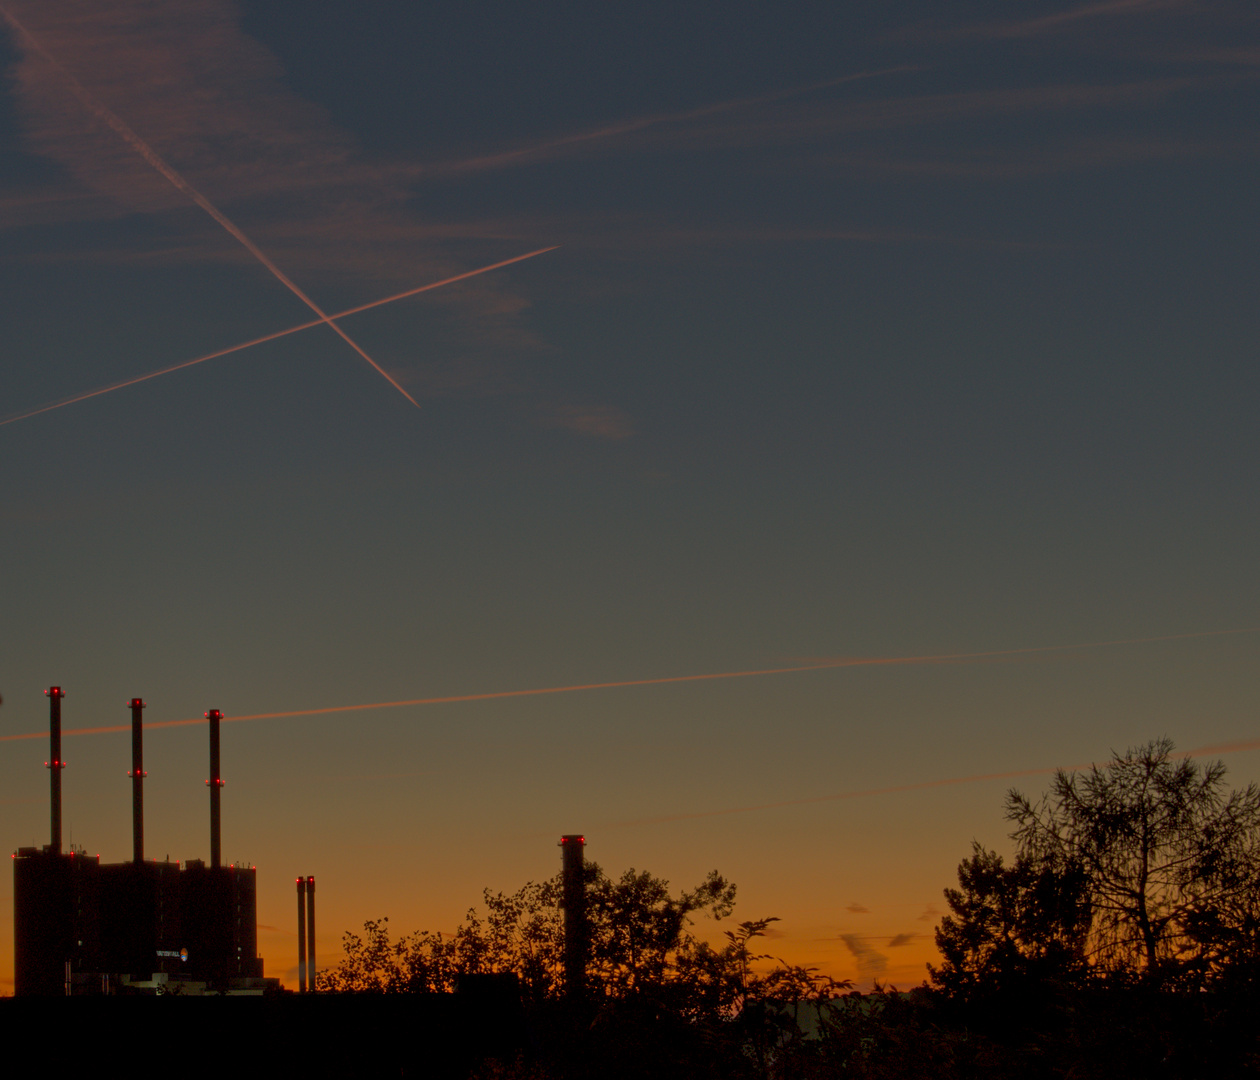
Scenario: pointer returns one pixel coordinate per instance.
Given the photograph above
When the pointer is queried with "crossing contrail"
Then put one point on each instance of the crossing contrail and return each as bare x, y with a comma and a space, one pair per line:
269, 337
816, 665
160, 165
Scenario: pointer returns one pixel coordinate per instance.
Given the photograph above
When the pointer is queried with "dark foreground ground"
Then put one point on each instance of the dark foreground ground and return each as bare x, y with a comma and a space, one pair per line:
436, 1036
1111, 1035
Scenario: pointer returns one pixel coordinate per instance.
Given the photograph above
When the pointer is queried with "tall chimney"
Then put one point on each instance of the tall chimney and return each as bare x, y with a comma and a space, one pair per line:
216, 784
55, 764
301, 891
137, 775
575, 930
310, 933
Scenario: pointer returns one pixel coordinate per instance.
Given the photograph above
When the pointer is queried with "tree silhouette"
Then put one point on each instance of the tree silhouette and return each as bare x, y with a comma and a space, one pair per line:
1170, 858
1012, 924
640, 935
661, 1001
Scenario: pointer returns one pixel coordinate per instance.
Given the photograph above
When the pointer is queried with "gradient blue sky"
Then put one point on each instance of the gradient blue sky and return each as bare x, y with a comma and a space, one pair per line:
899, 332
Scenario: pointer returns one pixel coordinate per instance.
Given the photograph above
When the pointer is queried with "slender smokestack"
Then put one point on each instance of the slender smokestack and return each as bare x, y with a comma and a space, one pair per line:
216, 784
301, 891
575, 932
137, 775
310, 933
55, 764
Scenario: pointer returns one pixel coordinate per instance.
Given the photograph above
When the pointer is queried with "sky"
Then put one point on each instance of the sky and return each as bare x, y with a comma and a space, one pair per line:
904, 332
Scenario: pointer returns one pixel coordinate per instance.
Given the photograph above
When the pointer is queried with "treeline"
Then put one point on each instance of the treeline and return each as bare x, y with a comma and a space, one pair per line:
1122, 939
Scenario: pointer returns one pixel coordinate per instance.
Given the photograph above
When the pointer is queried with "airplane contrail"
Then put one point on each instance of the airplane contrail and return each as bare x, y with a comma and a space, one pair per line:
269, 337
453, 699
160, 165
922, 785
819, 665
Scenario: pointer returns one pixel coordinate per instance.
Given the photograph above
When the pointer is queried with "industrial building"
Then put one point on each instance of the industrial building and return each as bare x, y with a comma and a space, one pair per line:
86, 928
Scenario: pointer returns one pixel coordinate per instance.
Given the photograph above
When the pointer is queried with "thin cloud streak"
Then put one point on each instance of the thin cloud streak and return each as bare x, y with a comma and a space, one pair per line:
549, 148
819, 122
180, 184
923, 785
1063, 19
470, 697
271, 337
1043, 160
300, 186
815, 665
1062, 648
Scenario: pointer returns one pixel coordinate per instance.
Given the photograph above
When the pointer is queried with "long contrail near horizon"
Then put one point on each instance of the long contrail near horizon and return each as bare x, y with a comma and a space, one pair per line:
270, 337
922, 785
819, 665
101, 112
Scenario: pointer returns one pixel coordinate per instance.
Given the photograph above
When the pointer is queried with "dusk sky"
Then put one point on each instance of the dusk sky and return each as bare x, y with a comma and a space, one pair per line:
902, 332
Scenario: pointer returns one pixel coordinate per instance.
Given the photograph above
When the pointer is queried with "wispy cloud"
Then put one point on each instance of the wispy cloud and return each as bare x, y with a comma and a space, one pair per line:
624, 236
809, 117
189, 81
597, 421
857, 909
51, 203
307, 193
561, 145
464, 377
1228, 55
1064, 20
212, 102
987, 163
871, 964
827, 131
897, 940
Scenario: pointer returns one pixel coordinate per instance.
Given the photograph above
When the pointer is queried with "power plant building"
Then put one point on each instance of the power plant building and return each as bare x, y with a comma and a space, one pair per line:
83, 927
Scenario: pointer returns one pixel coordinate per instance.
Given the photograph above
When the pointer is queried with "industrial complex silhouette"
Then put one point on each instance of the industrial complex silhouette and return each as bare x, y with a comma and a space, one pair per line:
82, 927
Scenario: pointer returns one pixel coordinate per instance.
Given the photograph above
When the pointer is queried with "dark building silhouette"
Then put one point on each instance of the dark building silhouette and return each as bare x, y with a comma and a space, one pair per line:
81, 927
55, 919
